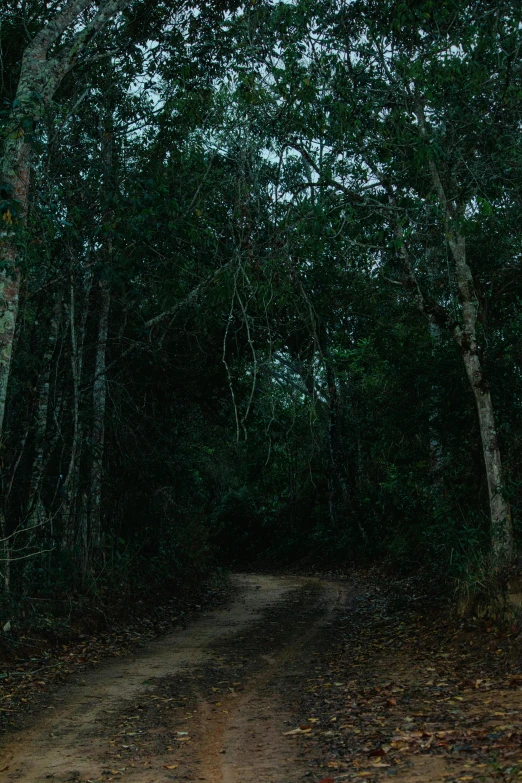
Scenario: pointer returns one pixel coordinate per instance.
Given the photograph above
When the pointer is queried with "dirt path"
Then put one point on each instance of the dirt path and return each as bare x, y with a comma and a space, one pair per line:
297, 680
251, 740
89, 733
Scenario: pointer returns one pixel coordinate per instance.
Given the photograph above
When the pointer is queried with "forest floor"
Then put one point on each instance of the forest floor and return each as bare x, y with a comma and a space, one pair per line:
295, 679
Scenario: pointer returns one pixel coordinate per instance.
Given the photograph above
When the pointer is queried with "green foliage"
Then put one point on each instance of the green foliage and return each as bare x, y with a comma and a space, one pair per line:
245, 182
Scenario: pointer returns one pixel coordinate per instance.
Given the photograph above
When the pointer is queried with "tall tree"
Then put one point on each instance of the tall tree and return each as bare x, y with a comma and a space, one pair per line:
49, 57
411, 113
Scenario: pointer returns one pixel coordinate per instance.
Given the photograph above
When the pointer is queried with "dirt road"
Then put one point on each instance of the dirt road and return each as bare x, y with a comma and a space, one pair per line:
202, 704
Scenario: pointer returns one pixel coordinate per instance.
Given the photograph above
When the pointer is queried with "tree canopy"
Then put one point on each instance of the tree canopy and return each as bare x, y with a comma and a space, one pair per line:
260, 284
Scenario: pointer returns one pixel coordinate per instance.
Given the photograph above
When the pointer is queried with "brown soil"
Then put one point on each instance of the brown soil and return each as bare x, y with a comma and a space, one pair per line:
297, 680
243, 741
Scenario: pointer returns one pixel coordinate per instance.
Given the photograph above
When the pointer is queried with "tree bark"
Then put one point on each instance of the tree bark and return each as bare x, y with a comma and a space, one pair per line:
465, 335
15, 179
40, 77
99, 393
40, 425
501, 532
98, 424
71, 482
436, 448
501, 524
5, 553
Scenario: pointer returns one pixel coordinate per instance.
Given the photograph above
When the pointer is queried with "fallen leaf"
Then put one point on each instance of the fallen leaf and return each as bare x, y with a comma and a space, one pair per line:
306, 730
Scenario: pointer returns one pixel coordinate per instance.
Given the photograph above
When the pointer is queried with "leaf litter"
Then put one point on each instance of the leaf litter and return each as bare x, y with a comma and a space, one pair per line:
387, 689
33, 666
406, 689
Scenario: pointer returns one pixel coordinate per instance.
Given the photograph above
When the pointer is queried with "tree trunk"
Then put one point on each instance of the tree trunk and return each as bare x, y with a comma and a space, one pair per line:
501, 531
501, 524
436, 449
14, 173
98, 424
502, 543
99, 392
15, 178
71, 482
40, 426
40, 77
339, 475
5, 554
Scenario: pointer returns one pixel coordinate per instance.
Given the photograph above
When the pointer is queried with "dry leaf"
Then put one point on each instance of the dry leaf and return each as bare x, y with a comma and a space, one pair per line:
306, 730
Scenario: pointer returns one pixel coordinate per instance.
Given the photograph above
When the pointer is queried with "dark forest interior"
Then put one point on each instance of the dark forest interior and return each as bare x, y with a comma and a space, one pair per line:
260, 286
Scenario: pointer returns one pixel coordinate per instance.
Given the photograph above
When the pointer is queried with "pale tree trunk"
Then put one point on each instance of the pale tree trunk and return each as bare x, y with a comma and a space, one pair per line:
35, 513
40, 77
10, 274
465, 335
501, 524
501, 533
16, 178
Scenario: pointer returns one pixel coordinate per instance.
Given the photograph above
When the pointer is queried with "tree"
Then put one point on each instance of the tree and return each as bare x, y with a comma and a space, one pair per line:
49, 57
411, 114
